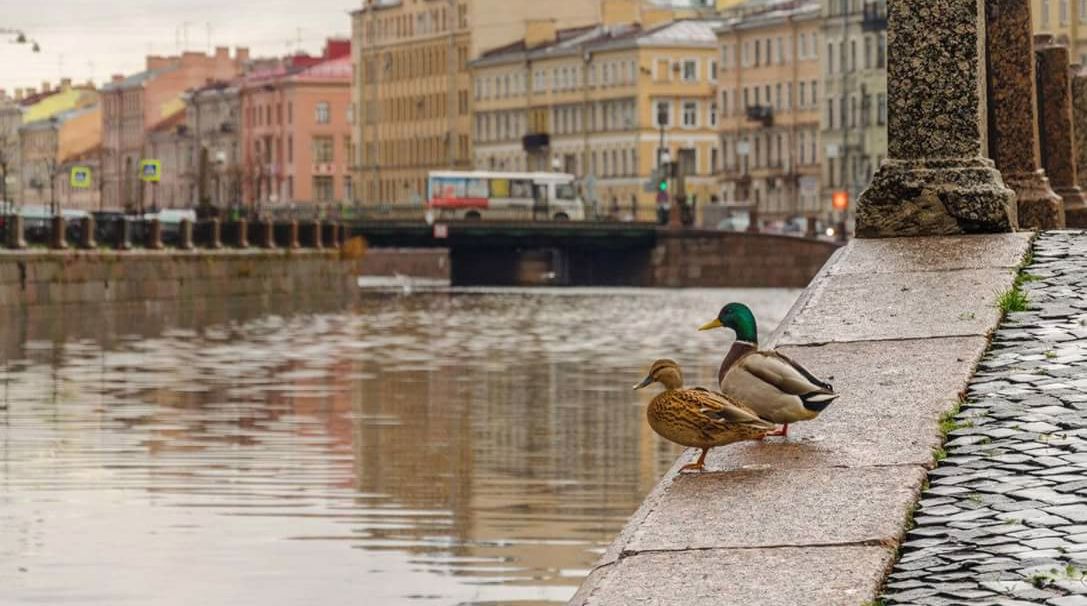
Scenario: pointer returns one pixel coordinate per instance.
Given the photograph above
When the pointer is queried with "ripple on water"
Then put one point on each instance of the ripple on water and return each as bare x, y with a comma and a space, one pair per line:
477, 447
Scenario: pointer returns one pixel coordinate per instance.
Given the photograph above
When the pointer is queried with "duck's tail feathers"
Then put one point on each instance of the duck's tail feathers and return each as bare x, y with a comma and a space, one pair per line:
818, 401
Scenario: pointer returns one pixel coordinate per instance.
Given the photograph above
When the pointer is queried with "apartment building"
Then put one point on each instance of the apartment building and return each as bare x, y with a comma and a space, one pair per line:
604, 103
213, 117
135, 106
27, 106
50, 147
296, 131
854, 119
412, 92
1067, 20
769, 88
170, 143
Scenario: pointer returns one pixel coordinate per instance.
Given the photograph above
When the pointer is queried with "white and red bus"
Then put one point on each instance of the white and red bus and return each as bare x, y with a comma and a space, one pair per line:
504, 196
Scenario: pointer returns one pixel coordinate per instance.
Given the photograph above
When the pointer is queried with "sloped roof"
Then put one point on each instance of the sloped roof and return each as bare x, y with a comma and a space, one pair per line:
138, 79
335, 69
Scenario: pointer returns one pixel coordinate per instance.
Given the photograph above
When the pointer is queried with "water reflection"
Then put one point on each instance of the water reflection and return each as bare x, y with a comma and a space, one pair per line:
469, 448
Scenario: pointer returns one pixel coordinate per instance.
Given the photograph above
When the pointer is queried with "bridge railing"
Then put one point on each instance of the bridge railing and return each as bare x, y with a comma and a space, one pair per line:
408, 212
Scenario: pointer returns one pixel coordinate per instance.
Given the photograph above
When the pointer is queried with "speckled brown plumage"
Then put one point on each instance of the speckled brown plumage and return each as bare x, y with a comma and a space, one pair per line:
696, 417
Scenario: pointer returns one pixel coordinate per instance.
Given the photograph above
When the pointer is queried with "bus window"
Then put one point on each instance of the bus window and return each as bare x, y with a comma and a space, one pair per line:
478, 188
565, 191
520, 188
446, 188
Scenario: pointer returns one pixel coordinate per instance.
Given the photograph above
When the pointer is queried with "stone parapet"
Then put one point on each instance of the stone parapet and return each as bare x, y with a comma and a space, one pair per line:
897, 325
936, 180
88, 277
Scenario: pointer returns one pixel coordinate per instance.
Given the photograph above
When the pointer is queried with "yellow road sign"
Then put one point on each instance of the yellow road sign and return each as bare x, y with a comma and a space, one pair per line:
80, 177
150, 171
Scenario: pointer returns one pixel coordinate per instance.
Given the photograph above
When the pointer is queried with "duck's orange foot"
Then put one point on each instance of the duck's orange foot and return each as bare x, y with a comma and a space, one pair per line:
693, 467
783, 433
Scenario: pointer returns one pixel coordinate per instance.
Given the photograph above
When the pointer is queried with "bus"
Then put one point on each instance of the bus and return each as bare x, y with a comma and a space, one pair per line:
504, 196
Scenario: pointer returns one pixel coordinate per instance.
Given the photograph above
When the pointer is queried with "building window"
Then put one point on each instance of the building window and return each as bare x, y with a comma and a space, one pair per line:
881, 104
1063, 11
663, 115
323, 189
323, 150
323, 113
690, 70
713, 115
690, 114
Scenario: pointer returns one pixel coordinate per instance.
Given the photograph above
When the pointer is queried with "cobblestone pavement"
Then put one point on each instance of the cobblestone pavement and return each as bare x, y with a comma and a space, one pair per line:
1004, 520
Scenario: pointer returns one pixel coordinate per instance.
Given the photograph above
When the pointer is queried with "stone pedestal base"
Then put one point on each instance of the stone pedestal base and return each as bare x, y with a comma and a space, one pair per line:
936, 197
1075, 206
1039, 206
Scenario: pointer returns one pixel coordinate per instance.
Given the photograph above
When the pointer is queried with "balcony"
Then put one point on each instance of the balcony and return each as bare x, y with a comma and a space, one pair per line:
536, 142
761, 113
875, 16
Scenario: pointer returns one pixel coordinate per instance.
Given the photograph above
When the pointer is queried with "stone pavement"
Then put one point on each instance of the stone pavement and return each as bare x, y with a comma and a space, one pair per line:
1004, 519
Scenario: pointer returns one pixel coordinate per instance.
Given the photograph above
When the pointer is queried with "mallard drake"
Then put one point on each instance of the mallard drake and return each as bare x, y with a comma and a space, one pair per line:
696, 417
774, 386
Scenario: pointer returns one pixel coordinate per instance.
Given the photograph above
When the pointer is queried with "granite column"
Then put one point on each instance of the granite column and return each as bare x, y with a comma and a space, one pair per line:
1013, 113
1079, 125
1055, 122
936, 179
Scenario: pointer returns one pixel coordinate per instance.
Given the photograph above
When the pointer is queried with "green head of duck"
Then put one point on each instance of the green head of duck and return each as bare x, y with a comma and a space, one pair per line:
739, 318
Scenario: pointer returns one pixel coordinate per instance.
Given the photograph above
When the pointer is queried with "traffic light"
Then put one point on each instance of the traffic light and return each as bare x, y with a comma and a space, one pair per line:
662, 185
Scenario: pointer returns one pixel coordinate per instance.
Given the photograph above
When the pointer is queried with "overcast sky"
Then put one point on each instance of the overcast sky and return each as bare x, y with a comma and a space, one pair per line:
83, 39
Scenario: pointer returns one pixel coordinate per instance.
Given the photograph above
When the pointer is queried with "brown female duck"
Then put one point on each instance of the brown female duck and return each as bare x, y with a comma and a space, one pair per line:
695, 417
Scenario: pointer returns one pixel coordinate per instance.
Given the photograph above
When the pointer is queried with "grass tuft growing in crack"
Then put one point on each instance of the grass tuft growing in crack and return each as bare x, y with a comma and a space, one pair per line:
1012, 301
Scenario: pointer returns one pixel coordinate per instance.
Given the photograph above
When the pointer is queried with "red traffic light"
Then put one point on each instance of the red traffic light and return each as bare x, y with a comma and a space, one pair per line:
840, 200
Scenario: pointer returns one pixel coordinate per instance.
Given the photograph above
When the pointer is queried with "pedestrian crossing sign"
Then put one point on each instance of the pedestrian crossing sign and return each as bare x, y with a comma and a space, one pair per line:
80, 177
150, 171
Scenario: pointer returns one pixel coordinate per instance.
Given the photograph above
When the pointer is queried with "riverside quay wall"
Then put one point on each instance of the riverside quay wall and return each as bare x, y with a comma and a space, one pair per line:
897, 326
61, 277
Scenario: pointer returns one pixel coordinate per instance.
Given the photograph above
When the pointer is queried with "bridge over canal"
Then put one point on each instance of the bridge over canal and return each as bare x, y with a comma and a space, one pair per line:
606, 254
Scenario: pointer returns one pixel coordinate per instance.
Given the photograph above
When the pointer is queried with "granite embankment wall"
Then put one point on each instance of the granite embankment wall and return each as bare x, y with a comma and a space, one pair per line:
718, 259
30, 278
897, 326
431, 263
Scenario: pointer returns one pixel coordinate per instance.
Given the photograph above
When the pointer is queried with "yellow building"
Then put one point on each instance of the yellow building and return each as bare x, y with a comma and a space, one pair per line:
1067, 20
598, 101
770, 100
411, 99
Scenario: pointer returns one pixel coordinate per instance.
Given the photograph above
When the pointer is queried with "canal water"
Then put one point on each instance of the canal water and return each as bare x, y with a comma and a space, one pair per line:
443, 448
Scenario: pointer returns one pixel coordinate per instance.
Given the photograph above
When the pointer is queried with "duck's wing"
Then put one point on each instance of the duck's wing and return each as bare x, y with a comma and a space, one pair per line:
784, 374
717, 407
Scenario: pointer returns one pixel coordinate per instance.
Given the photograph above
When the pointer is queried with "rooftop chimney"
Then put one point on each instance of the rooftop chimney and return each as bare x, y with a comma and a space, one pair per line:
539, 32
18, 94
65, 83
45, 86
241, 54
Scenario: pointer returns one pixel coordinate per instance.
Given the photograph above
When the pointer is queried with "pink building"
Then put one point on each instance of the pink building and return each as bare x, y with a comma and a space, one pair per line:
135, 106
296, 130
